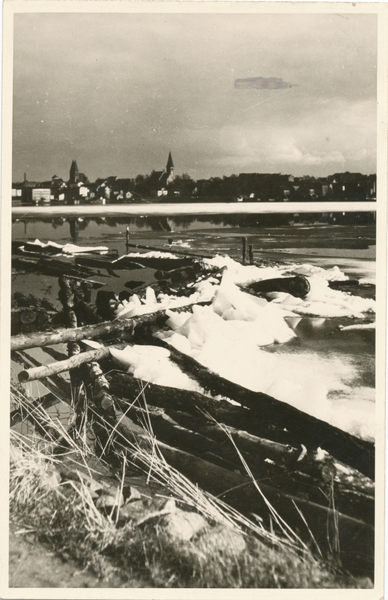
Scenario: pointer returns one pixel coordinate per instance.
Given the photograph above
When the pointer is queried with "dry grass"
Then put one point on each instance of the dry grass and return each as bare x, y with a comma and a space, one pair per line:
64, 515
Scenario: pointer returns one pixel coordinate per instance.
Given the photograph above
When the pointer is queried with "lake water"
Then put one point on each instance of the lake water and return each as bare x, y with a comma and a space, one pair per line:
351, 247
348, 359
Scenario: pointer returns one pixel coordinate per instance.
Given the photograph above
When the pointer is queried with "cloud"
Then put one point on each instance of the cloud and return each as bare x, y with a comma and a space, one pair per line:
261, 83
292, 155
118, 91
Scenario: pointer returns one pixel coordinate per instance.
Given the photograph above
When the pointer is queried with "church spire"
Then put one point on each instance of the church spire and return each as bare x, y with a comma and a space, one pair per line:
170, 168
74, 172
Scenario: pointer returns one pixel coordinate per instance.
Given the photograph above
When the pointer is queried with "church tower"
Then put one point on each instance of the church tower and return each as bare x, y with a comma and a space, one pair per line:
170, 169
74, 173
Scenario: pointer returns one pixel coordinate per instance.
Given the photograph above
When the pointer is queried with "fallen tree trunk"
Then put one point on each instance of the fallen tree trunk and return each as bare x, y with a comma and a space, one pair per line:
104, 263
196, 411
23, 342
55, 383
178, 252
212, 444
297, 286
64, 365
124, 385
197, 405
311, 432
312, 522
52, 267
194, 442
164, 263
355, 538
290, 468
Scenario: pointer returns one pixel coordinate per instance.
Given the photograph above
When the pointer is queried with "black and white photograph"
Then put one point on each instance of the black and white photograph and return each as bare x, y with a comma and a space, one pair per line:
194, 298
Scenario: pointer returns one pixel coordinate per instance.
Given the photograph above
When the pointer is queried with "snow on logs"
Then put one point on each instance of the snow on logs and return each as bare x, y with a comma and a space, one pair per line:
315, 433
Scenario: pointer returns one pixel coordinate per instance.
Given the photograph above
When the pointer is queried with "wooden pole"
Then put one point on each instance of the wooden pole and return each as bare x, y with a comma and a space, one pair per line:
244, 250
64, 365
55, 384
127, 239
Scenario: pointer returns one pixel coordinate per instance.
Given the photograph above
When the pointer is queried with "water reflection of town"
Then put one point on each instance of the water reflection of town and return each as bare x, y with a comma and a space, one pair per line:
179, 223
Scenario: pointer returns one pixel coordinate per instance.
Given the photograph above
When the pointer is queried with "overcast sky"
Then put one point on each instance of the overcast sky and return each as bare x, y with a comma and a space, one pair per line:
117, 92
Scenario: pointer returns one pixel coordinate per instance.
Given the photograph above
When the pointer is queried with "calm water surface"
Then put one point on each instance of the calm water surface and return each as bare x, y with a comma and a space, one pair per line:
351, 248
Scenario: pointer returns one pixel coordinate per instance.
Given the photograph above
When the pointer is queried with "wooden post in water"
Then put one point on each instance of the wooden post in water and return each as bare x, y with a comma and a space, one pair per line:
250, 254
244, 250
127, 240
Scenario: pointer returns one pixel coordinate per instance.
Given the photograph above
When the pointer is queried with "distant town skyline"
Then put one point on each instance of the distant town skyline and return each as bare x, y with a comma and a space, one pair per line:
117, 92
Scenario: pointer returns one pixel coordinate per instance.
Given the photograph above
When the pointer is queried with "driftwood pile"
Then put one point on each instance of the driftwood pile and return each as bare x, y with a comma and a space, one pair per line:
317, 477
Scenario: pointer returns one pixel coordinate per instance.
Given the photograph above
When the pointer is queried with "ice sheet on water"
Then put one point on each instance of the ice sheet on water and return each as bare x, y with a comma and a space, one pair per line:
228, 337
69, 248
152, 364
153, 254
321, 301
324, 388
332, 274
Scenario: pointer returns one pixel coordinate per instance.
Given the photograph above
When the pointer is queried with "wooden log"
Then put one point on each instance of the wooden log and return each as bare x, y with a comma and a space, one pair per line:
203, 442
167, 430
312, 432
292, 469
83, 280
339, 285
164, 263
56, 267
44, 266
196, 405
356, 538
197, 411
174, 401
65, 365
297, 286
23, 342
55, 383
66, 296
96, 262
125, 263
177, 252
180, 275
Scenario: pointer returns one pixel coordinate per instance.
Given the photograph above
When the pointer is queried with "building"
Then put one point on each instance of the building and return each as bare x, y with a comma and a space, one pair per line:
160, 180
74, 173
